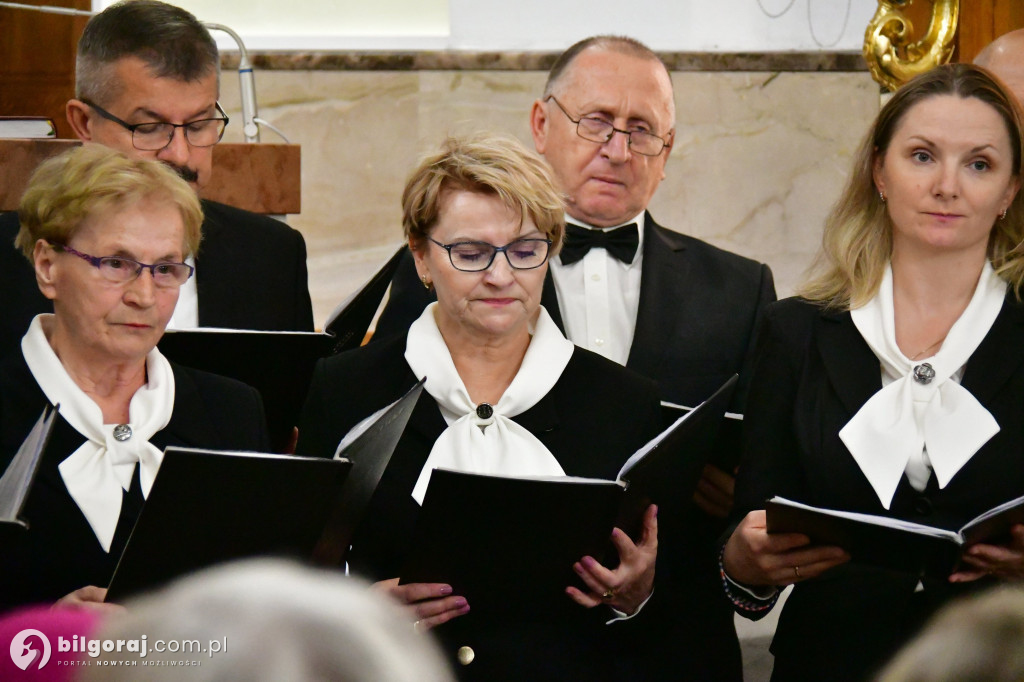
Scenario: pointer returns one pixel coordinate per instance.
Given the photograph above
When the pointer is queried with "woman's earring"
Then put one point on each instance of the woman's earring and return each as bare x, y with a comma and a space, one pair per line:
881, 195
426, 283
1003, 216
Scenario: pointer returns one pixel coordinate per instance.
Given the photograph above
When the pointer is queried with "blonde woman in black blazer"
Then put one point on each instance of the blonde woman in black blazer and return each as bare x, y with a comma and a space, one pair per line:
895, 385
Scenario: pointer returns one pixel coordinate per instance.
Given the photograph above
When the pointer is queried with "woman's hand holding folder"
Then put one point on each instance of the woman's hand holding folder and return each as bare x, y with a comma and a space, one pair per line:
1003, 561
754, 557
629, 585
430, 604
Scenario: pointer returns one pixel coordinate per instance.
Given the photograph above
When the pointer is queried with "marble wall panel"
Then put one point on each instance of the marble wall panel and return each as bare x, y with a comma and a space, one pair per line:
759, 159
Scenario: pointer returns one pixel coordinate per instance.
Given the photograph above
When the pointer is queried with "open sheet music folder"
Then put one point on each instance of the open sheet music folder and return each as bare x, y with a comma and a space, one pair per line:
481, 533
369, 447
208, 506
16, 482
893, 543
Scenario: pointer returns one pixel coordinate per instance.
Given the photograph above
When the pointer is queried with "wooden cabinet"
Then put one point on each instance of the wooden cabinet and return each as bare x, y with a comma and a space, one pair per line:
37, 60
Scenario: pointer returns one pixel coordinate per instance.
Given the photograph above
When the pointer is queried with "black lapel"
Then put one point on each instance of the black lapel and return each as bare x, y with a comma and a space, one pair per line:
210, 272
549, 299
999, 354
663, 300
190, 423
851, 366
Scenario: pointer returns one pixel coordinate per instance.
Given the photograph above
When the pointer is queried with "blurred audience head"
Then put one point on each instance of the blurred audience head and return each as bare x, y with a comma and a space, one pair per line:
977, 639
273, 620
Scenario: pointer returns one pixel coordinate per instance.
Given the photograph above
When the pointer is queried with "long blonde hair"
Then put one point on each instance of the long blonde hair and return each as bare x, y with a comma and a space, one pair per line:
857, 240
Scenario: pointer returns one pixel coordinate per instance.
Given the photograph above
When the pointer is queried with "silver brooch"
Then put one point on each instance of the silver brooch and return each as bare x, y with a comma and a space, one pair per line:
924, 373
122, 432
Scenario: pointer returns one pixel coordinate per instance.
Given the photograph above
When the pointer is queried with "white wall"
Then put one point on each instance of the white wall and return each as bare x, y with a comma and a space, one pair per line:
670, 25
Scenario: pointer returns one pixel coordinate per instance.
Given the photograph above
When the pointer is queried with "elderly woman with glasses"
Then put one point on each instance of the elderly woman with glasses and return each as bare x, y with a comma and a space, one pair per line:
505, 394
108, 237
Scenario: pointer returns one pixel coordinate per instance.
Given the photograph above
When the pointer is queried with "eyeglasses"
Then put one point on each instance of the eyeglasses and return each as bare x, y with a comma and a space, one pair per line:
522, 254
152, 137
122, 270
599, 130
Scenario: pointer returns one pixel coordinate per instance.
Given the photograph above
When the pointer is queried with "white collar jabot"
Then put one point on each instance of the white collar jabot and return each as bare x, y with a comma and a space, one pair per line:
97, 472
484, 439
949, 422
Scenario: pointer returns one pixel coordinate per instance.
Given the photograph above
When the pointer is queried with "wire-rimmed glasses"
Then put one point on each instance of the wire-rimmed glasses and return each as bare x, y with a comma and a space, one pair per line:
596, 129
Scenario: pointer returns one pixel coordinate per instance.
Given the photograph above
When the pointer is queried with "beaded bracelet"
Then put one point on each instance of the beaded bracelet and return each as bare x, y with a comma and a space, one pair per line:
747, 604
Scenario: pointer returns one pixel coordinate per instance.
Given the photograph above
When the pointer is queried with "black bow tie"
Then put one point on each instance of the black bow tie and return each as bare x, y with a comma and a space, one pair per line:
621, 242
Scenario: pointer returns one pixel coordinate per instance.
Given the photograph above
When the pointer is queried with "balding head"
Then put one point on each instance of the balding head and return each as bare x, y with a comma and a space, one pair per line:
1004, 57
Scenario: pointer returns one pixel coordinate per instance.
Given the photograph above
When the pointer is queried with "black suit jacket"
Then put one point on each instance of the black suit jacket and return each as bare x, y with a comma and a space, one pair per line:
813, 372
593, 419
250, 274
698, 312
59, 552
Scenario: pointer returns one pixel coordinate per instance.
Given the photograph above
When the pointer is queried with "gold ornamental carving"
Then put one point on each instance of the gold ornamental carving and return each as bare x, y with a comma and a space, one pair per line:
891, 56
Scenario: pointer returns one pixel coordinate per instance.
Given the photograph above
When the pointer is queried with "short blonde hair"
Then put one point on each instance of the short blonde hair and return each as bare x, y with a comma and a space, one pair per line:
489, 164
857, 241
68, 188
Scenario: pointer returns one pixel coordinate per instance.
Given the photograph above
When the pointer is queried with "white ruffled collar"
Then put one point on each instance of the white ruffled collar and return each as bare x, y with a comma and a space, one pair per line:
922, 410
485, 440
103, 466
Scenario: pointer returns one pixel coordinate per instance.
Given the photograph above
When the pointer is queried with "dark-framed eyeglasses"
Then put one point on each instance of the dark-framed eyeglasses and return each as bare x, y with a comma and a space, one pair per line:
522, 254
122, 270
152, 137
595, 129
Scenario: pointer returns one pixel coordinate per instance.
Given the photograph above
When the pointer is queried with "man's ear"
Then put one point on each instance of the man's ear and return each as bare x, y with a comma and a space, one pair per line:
44, 257
539, 125
79, 118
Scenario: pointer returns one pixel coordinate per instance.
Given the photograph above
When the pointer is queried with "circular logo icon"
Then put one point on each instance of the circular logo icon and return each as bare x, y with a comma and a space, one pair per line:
24, 654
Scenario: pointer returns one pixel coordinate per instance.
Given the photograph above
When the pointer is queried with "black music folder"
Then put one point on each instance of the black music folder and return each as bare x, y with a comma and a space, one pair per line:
351, 319
207, 506
277, 364
667, 470
893, 543
16, 483
369, 447
481, 533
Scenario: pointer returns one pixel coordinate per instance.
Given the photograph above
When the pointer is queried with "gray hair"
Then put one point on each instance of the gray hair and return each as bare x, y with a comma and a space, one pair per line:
169, 40
276, 620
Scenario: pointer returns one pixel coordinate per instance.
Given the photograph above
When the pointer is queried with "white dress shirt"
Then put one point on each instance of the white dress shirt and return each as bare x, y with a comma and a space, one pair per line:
186, 312
599, 296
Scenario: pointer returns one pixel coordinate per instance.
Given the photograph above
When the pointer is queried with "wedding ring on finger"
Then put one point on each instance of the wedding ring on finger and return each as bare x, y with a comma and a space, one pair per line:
608, 595
796, 570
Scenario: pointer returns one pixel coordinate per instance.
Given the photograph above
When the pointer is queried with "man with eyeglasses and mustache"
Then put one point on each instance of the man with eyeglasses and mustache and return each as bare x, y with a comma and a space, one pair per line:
147, 80
669, 306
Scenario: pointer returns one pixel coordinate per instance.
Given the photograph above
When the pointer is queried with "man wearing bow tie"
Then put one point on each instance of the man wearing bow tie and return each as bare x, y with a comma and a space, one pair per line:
666, 305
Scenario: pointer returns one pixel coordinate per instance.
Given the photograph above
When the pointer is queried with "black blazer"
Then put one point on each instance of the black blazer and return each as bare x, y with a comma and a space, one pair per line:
60, 553
813, 372
596, 415
698, 312
250, 274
